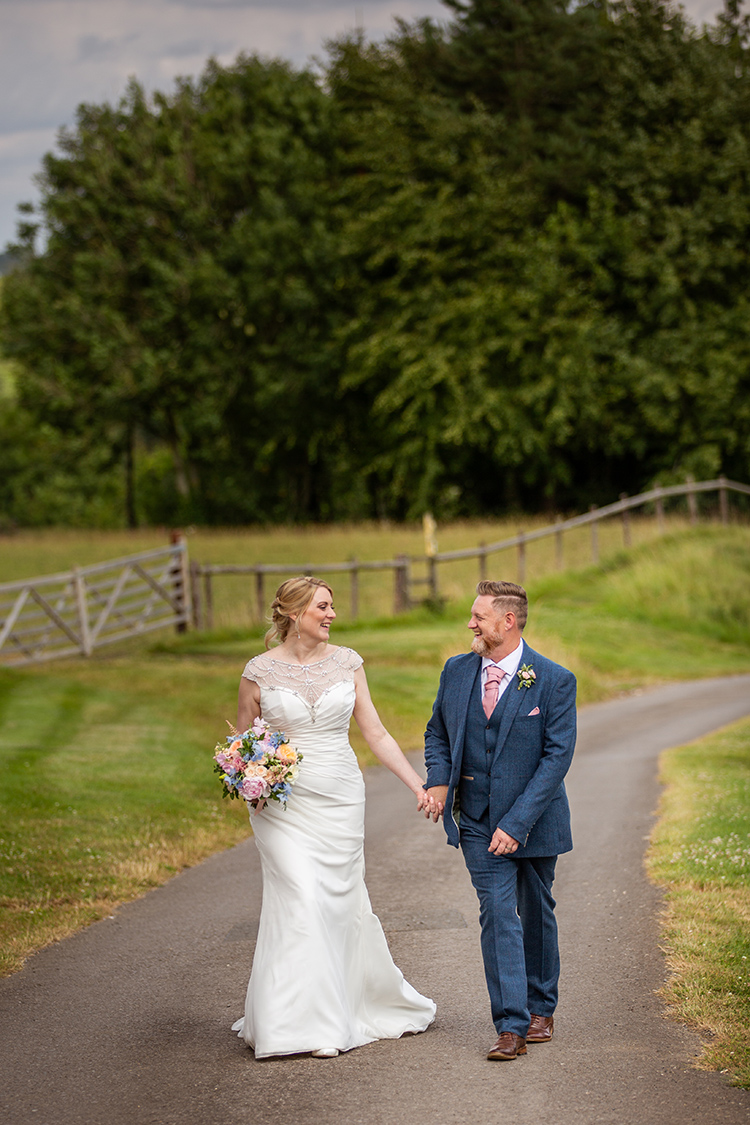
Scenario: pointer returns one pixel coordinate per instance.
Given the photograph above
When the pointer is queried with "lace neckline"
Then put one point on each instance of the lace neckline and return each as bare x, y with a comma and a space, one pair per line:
308, 681
307, 664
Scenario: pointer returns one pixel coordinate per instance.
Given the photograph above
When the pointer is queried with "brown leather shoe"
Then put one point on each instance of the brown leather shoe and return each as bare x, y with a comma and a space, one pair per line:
508, 1046
541, 1029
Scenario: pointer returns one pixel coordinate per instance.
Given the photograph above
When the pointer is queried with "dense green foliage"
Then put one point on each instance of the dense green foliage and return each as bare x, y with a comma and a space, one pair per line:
495, 261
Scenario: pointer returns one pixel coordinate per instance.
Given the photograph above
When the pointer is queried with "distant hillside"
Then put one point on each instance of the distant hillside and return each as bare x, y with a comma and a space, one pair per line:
7, 262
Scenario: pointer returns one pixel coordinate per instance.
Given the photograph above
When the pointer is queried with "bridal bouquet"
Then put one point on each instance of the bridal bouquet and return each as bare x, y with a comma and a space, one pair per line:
258, 765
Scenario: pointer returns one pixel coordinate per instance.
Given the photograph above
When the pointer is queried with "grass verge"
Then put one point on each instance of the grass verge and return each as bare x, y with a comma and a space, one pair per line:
700, 854
104, 793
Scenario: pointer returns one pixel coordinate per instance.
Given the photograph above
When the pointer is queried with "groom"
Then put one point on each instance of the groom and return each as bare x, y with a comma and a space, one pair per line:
497, 748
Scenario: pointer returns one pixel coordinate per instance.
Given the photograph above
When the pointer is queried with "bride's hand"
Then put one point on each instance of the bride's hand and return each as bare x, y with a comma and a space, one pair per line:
428, 806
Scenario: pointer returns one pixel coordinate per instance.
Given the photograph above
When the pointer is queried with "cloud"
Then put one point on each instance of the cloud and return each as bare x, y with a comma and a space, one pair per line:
55, 54
702, 11
97, 47
293, 5
20, 155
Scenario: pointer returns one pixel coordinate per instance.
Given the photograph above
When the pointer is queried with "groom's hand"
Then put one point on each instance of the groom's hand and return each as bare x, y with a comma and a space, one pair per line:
502, 844
437, 795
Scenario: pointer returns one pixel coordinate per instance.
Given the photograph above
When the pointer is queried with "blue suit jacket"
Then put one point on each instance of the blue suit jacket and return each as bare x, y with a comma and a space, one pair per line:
531, 757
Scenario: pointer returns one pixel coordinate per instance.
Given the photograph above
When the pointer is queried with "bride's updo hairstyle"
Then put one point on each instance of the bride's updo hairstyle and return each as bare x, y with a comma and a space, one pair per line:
292, 597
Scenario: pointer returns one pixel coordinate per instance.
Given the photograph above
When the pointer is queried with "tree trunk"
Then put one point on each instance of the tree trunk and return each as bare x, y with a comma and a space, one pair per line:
130, 512
182, 472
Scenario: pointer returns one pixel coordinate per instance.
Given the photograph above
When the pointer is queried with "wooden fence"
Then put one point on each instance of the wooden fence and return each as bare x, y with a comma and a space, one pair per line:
78, 611
81, 610
404, 580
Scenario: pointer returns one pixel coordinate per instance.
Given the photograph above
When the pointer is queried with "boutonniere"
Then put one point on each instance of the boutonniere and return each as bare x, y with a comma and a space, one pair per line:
526, 676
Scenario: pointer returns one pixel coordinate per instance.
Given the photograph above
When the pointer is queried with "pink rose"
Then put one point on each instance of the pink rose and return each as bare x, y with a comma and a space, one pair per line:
229, 761
253, 788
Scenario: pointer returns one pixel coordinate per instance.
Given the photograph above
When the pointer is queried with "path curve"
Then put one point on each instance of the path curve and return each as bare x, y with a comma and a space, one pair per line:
127, 1023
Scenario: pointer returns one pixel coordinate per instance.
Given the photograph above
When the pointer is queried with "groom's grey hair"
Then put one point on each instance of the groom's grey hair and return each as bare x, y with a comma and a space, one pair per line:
507, 596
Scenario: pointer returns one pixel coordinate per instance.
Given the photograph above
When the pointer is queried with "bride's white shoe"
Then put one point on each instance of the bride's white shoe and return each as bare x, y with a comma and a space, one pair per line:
325, 1053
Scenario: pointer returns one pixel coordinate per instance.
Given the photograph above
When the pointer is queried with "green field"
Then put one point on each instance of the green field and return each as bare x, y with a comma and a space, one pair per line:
108, 788
30, 553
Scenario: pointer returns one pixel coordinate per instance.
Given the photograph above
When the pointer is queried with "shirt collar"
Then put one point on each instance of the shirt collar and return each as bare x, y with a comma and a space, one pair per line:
509, 663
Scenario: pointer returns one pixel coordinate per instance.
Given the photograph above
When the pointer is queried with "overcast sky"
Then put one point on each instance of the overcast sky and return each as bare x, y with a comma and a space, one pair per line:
55, 54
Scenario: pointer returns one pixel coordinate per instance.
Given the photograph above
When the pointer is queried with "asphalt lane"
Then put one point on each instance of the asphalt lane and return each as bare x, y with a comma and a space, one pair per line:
128, 1022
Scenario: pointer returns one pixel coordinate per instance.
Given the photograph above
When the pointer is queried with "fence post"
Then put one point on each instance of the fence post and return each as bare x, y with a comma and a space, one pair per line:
429, 530
692, 502
401, 584
195, 595
521, 557
723, 500
625, 523
432, 577
208, 597
559, 544
659, 509
180, 582
594, 537
260, 597
83, 612
354, 591
482, 562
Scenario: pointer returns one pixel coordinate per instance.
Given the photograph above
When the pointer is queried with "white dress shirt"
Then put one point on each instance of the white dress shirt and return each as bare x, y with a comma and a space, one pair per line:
509, 664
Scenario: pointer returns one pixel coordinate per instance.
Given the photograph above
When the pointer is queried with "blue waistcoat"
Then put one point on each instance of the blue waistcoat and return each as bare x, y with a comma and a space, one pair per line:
479, 744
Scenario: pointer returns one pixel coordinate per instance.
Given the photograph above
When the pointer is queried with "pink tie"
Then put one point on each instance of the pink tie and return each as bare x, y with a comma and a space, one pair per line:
495, 677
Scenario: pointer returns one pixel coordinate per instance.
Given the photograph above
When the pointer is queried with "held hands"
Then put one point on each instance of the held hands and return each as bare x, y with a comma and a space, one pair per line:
432, 801
502, 844
426, 805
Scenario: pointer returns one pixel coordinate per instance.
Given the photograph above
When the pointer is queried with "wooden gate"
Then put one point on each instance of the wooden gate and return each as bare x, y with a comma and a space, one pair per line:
76, 612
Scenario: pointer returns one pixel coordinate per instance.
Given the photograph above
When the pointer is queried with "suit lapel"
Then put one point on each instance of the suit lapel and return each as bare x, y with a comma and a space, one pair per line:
464, 689
517, 696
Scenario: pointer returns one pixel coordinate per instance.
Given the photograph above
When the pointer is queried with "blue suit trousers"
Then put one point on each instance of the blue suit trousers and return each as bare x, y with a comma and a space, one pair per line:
519, 930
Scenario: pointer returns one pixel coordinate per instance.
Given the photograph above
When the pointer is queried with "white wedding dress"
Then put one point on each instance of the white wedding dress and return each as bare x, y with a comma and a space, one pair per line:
322, 974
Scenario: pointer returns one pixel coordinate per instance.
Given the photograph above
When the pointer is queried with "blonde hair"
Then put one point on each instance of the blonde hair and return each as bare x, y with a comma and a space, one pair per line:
507, 596
292, 597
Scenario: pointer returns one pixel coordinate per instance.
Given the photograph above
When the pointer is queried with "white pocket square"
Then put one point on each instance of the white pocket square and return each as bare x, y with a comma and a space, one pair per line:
536, 711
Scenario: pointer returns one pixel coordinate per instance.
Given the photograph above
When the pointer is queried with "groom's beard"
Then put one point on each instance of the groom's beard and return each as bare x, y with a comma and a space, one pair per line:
483, 646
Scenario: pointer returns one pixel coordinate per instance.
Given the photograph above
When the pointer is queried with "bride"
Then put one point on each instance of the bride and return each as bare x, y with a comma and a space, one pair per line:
322, 980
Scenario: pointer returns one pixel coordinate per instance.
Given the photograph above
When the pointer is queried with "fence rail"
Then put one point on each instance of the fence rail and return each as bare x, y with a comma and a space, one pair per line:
404, 581
77, 611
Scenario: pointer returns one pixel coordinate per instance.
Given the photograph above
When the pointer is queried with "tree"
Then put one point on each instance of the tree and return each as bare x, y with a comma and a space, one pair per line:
521, 332
498, 262
180, 297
